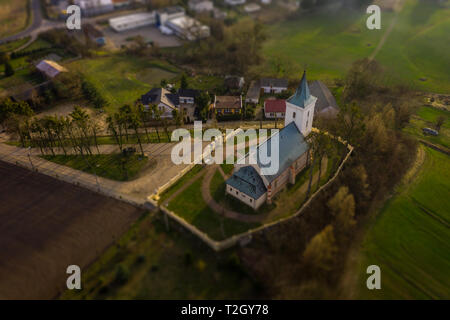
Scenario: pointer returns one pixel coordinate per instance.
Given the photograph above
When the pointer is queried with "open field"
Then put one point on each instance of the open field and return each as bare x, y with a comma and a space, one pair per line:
123, 79
48, 225
410, 239
328, 43
13, 15
150, 263
426, 118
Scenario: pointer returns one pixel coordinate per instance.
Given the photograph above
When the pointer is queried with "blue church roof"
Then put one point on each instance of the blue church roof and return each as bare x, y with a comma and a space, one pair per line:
301, 95
248, 181
292, 145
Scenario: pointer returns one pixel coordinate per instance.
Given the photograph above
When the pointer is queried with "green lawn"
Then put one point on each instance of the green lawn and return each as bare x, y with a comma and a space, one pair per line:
190, 206
12, 45
328, 43
410, 239
426, 117
123, 79
162, 265
105, 165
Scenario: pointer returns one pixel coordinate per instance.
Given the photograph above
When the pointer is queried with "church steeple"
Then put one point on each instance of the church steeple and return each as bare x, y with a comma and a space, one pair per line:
300, 108
301, 96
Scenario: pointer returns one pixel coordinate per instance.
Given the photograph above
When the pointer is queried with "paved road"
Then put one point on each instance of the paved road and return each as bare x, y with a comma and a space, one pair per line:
36, 16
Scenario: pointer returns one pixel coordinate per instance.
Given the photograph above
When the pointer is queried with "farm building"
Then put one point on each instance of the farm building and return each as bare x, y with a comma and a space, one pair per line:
132, 21
169, 13
94, 7
275, 108
248, 183
273, 85
163, 99
253, 92
188, 28
326, 103
227, 105
50, 68
200, 5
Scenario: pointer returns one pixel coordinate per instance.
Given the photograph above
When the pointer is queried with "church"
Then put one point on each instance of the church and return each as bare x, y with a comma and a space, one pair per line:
253, 188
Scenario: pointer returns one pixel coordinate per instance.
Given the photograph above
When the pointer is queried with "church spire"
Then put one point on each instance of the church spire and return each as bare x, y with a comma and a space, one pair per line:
301, 95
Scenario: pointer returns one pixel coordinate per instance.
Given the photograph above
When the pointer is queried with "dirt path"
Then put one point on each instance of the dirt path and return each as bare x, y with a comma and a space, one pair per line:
386, 35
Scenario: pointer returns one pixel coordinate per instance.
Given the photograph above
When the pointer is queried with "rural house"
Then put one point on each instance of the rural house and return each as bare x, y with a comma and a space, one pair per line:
274, 108
187, 96
273, 85
253, 188
163, 99
227, 105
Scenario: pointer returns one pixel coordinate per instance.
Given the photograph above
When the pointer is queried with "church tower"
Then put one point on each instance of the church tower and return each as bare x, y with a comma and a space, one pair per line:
300, 108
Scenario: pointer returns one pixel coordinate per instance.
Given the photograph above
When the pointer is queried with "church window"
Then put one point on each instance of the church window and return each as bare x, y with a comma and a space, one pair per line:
293, 115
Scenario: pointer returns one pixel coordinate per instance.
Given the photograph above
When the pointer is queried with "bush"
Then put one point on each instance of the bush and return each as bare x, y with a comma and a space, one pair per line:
229, 117
122, 274
9, 71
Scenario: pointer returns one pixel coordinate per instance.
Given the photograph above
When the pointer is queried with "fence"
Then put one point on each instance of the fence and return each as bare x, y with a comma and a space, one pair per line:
245, 237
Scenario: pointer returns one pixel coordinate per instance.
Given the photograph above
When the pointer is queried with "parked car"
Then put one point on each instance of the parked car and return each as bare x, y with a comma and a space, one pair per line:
429, 131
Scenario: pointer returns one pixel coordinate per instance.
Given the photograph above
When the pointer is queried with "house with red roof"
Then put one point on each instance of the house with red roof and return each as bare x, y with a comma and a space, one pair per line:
274, 108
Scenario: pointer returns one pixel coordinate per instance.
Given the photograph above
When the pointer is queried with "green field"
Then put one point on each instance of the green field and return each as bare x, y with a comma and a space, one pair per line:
410, 239
123, 79
426, 118
190, 205
105, 165
328, 44
150, 263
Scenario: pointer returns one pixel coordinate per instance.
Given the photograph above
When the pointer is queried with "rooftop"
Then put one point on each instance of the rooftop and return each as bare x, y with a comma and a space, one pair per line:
248, 181
274, 82
228, 102
301, 96
275, 105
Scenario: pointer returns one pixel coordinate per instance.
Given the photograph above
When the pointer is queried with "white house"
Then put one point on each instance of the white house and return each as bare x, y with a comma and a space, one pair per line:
187, 96
275, 108
94, 7
273, 85
200, 5
165, 14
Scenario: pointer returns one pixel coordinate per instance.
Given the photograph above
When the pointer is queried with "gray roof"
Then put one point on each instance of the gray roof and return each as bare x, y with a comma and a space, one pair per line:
292, 146
325, 98
274, 82
157, 95
248, 181
254, 90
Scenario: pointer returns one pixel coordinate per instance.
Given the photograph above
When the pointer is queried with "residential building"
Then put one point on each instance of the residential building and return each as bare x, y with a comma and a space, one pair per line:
273, 85
227, 105
132, 21
274, 108
166, 101
253, 92
187, 96
200, 5
249, 183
